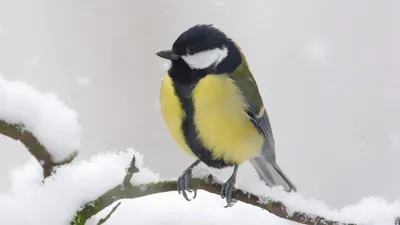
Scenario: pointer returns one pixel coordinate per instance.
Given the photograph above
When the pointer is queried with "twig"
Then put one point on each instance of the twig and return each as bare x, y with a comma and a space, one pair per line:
118, 193
91, 209
130, 171
129, 192
102, 221
18, 132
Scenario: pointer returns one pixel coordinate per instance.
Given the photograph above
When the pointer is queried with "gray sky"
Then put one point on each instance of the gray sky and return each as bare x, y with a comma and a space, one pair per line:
326, 69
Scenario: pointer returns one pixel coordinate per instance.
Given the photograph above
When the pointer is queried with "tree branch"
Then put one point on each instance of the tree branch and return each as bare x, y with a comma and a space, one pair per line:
102, 221
18, 133
91, 209
130, 171
128, 191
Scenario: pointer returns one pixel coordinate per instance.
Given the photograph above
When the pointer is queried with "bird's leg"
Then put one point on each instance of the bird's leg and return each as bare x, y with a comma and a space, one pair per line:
228, 186
184, 180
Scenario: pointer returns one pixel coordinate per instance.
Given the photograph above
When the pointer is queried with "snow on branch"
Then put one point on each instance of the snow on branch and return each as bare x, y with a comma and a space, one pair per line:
209, 183
17, 132
82, 191
102, 189
45, 125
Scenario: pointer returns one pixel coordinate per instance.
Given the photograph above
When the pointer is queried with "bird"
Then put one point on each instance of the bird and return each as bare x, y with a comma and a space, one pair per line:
213, 109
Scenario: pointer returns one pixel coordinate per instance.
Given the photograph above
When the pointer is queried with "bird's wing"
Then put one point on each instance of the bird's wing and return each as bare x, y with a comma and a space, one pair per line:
265, 163
255, 110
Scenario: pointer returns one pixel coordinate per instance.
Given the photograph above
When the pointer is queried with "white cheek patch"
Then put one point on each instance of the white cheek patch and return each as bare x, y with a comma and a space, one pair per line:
205, 59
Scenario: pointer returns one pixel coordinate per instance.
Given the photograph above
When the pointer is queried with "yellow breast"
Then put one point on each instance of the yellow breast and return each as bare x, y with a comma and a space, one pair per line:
221, 120
172, 112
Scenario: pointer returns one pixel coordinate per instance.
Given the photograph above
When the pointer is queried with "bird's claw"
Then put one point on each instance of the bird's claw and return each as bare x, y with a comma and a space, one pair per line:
227, 190
183, 184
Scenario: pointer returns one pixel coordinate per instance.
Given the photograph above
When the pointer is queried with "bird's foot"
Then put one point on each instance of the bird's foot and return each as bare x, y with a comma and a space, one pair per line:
184, 181
227, 190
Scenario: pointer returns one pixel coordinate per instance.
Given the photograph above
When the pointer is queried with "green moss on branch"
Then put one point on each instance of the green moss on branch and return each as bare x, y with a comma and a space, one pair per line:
130, 192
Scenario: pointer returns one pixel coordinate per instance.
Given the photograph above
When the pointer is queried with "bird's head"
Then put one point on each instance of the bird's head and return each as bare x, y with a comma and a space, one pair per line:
204, 48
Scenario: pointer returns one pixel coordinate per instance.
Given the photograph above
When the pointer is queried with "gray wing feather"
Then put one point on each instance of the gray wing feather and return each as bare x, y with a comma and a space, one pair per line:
265, 164
263, 125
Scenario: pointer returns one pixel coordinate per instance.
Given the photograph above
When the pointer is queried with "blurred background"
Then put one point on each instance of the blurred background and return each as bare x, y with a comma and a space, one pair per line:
328, 72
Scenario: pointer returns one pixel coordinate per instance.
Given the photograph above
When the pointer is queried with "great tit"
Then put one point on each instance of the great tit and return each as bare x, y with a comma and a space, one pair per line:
213, 109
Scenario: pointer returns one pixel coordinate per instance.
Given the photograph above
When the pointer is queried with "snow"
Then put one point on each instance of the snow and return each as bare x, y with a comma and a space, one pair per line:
370, 210
29, 202
53, 123
84, 181
59, 198
171, 209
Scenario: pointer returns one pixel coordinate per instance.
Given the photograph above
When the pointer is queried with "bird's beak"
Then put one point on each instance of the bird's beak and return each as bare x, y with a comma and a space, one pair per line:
168, 54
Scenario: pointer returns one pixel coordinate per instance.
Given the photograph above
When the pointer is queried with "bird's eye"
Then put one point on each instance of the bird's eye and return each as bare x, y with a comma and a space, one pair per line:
190, 49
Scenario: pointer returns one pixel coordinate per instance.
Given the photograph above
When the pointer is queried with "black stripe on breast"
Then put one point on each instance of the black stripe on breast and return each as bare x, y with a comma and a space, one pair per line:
184, 91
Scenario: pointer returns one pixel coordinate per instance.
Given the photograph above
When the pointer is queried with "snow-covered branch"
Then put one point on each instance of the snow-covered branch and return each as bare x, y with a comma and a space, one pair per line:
126, 190
84, 191
18, 132
42, 123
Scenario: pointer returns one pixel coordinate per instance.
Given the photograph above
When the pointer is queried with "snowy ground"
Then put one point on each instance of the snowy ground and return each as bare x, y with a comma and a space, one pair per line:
55, 125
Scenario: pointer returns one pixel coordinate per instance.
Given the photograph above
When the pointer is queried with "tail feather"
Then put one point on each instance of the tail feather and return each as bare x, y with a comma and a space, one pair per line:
272, 174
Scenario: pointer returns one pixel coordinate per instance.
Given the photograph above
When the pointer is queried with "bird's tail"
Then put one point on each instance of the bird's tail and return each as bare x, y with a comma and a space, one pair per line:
271, 174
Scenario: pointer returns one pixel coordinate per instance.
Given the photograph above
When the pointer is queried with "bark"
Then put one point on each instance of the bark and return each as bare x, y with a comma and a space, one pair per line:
127, 191
42, 155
